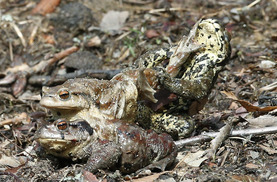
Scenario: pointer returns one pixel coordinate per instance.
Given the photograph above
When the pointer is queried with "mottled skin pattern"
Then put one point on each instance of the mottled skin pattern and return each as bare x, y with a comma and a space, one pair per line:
129, 148
186, 75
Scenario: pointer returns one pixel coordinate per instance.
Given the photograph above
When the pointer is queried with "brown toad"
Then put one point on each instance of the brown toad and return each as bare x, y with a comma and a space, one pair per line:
128, 148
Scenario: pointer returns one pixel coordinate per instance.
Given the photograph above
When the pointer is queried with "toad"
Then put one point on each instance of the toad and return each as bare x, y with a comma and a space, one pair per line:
128, 148
165, 87
186, 73
92, 100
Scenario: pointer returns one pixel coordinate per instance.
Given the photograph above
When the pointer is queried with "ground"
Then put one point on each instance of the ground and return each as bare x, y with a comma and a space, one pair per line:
36, 48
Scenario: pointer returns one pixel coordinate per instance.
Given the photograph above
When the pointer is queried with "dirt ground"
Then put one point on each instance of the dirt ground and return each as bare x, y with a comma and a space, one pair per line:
39, 45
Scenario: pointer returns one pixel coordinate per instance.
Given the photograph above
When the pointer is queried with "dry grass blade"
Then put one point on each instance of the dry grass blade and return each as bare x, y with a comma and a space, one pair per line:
19, 34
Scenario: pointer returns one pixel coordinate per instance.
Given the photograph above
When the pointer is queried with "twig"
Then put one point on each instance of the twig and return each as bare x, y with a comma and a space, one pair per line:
209, 136
269, 87
11, 50
58, 56
253, 3
135, 2
167, 9
225, 157
222, 135
43, 64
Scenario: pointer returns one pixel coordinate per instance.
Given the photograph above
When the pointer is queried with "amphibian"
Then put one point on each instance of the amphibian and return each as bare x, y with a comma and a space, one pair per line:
92, 100
164, 87
187, 73
128, 148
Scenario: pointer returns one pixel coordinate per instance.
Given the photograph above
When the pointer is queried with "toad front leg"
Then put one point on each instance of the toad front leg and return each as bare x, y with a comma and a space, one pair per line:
104, 155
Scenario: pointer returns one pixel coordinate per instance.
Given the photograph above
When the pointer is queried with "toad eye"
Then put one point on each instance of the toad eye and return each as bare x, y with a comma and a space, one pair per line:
62, 125
64, 94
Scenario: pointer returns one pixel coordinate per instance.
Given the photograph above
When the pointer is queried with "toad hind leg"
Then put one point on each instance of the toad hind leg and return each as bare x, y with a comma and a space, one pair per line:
176, 126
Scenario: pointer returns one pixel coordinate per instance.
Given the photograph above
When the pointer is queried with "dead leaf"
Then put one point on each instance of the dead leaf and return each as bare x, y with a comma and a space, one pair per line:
194, 159
247, 105
90, 177
263, 121
19, 85
49, 39
151, 33
233, 105
148, 178
9, 161
254, 154
46, 6
94, 42
113, 21
242, 178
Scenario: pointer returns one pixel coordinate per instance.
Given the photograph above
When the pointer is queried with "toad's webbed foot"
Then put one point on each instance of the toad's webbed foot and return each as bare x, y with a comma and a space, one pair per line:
176, 126
162, 164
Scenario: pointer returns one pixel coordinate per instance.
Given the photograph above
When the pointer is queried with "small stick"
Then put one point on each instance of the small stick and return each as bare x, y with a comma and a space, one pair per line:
269, 87
167, 9
223, 134
209, 136
11, 50
43, 64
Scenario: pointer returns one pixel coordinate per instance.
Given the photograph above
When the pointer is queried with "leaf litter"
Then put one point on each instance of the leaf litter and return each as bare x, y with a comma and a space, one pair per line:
33, 49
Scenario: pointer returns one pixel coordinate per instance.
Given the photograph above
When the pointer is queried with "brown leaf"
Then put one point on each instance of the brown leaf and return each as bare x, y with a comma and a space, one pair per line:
49, 39
194, 159
90, 177
45, 6
19, 85
247, 105
151, 33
